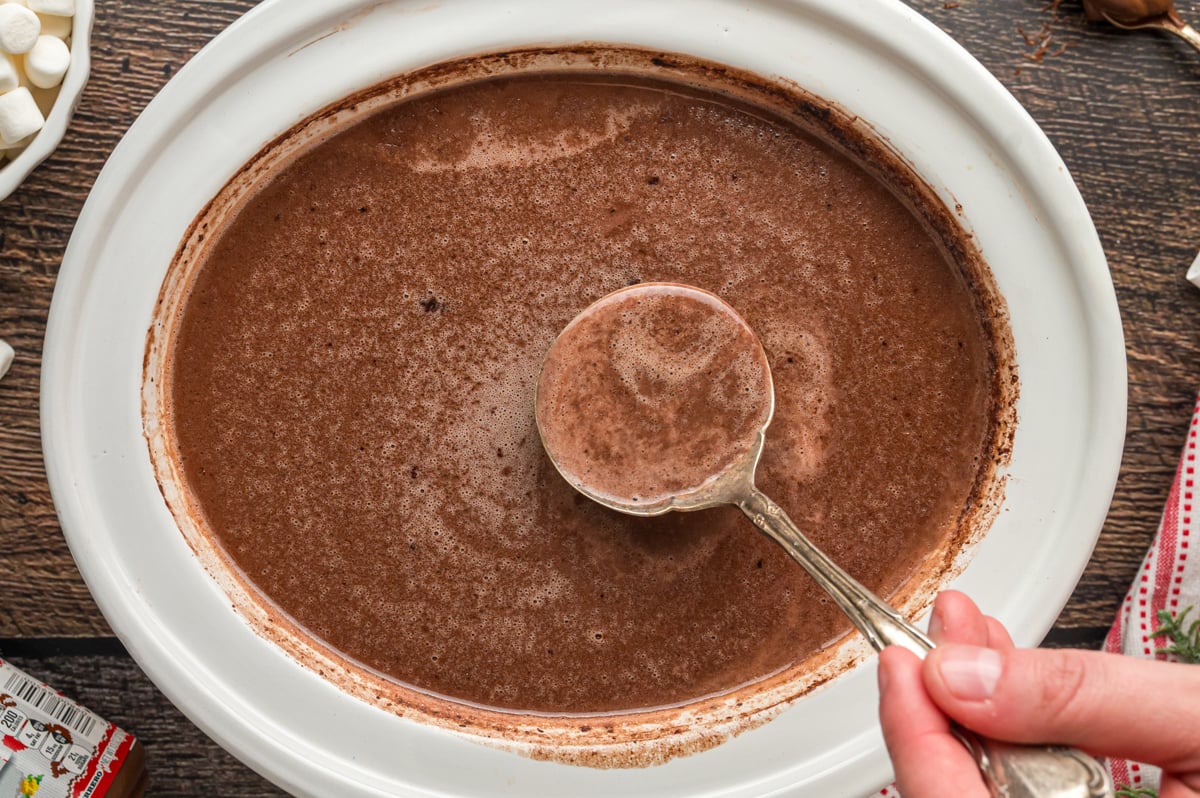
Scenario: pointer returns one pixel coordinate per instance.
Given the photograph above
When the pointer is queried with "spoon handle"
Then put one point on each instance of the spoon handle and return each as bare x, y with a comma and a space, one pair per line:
1188, 34
1010, 770
1171, 22
881, 624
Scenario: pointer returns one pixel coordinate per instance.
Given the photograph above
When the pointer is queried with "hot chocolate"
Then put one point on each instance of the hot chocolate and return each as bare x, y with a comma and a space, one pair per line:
349, 383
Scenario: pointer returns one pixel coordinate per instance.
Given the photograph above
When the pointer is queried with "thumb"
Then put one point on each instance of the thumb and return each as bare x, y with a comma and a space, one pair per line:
1106, 704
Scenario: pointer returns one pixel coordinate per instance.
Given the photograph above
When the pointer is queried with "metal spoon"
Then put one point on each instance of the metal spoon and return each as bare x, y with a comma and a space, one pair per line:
1016, 771
1143, 14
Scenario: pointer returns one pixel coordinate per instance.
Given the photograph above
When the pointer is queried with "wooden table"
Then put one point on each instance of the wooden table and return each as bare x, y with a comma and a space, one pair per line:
1122, 109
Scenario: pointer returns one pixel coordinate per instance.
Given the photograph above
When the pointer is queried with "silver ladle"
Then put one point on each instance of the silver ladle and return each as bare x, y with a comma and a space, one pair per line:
1012, 770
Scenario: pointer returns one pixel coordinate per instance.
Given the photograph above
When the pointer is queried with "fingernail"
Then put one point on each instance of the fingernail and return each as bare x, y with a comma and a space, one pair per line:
970, 673
882, 678
936, 626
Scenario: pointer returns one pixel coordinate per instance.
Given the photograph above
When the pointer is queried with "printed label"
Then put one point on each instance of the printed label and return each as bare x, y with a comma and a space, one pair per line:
50, 747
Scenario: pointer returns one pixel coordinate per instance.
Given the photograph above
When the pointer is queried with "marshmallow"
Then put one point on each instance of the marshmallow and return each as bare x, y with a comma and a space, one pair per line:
19, 116
47, 62
19, 28
10, 74
59, 8
6, 357
1193, 274
55, 26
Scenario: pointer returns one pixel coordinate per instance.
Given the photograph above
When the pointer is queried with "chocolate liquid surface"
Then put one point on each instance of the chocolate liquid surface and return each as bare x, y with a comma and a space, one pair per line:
651, 393
350, 389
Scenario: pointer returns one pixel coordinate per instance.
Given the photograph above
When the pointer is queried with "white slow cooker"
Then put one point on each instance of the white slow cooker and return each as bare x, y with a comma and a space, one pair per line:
286, 59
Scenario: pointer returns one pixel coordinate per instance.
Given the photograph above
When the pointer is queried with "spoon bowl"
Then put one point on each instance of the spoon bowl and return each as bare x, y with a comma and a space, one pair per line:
668, 335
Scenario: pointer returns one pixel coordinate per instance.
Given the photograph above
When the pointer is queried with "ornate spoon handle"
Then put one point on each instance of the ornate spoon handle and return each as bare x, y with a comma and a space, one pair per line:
1010, 770
881, 624
1032, 771
1188, 34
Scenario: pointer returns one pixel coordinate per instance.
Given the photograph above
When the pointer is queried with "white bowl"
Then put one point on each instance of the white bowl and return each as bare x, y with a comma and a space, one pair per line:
285, 60
14, 172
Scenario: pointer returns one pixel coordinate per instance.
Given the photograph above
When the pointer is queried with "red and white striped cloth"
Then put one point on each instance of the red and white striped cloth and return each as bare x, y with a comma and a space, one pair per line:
1168, 579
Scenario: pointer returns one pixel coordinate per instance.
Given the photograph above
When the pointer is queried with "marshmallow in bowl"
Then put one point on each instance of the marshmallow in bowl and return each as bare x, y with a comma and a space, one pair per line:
10, 75
19, 115
47, 62
31, 71
19, 28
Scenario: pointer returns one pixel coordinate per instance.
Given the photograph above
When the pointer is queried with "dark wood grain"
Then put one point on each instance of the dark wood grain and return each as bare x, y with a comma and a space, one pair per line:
1123, 109
136, 47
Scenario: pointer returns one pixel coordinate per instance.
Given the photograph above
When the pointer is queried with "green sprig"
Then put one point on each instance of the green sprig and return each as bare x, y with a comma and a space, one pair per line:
1183, 639
1182, 642
1136, 792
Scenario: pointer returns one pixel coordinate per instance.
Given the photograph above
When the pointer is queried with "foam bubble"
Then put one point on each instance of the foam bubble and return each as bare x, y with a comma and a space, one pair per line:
489, 152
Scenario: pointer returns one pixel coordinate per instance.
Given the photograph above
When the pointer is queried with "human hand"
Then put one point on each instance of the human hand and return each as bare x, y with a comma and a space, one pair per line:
1105, 704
